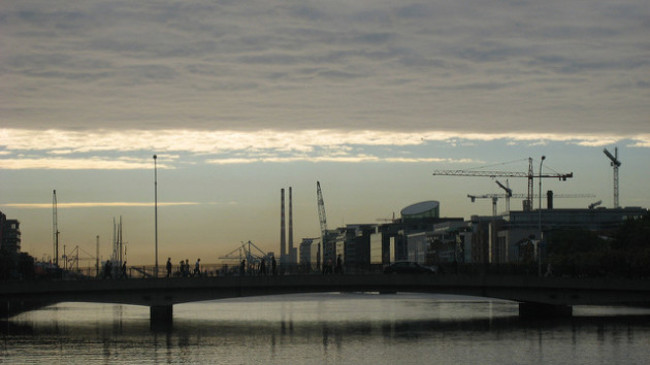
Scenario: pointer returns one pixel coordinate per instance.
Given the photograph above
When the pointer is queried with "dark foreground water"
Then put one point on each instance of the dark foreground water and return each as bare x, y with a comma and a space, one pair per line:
327, 329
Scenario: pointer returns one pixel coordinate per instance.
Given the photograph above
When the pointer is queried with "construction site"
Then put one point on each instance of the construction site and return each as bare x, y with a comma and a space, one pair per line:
420, 234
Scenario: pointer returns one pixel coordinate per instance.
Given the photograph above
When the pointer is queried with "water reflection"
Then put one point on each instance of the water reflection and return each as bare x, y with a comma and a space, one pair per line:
190, 331
322, 330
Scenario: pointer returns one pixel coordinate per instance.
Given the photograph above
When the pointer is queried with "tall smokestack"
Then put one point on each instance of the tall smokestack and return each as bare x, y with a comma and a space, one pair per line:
283, 243
291, 227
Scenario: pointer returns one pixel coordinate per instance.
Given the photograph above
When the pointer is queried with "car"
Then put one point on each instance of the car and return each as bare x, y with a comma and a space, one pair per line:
406, 267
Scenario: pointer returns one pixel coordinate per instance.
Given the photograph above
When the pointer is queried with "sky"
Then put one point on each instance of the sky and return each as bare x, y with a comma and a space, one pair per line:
239, 99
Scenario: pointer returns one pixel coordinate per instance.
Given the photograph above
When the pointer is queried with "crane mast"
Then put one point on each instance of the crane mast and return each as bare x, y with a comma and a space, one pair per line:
528, 203
55, 229
615, 163
321, 211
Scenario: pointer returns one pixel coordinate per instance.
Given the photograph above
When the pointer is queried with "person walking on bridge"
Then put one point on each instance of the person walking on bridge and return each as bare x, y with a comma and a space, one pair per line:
263, 268
197, 268
169, 267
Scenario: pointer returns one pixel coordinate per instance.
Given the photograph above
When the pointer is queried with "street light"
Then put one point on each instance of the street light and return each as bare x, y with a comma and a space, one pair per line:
539, 243
155, 183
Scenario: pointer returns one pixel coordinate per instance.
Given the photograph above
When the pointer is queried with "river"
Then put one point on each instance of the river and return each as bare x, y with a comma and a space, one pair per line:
332, 328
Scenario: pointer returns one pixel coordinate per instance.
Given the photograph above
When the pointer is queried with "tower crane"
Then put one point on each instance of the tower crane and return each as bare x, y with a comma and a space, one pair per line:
615, 163
323, 225
528, 204
496, 197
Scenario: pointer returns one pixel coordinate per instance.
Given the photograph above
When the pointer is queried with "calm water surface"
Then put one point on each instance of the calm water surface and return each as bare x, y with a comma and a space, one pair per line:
327, 329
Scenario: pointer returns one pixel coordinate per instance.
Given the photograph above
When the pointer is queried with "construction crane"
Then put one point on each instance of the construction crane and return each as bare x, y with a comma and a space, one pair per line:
595, 204
528, 204
55, 229
246, 251
508, 191
615, 163
71, 260
496, 197
321, 212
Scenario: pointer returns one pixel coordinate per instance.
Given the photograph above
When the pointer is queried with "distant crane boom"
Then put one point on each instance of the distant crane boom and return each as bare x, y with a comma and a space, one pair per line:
508, 193
529, 175
496, 197
523, 196
321, 211
245, 251
595, 204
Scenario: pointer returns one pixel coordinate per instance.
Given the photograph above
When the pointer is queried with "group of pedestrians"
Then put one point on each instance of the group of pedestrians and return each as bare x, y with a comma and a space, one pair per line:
108, 271
184, 268
261, 269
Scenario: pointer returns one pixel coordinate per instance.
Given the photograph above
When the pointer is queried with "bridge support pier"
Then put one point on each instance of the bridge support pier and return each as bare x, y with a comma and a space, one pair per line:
541, 310
161, 314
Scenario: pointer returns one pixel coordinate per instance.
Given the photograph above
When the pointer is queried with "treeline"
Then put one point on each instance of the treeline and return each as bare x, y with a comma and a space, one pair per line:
624, 252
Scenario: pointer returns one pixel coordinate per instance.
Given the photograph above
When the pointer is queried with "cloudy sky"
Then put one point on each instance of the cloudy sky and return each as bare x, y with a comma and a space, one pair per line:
240, 98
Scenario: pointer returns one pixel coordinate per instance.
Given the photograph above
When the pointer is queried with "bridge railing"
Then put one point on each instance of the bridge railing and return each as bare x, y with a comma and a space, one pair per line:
235, 269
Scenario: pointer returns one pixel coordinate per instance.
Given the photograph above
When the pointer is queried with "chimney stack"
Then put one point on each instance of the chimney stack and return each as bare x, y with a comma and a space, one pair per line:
290, 250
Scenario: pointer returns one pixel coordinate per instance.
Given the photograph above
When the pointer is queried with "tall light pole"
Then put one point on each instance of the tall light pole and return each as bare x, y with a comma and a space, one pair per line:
539, 243
155, 183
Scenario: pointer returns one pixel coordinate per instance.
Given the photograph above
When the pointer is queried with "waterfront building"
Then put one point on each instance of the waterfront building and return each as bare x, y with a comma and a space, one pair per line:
10, 237
310, 254
333, 245
514, 237
519, 228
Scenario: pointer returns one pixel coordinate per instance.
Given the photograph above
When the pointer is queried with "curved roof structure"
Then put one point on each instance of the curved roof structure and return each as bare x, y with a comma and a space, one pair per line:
426, 209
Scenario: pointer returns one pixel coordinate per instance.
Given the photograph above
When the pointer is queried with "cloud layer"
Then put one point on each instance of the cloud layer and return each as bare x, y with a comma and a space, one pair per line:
131, 149
486, 67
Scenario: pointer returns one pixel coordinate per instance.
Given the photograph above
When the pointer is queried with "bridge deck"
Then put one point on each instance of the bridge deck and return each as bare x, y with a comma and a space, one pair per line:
161, 293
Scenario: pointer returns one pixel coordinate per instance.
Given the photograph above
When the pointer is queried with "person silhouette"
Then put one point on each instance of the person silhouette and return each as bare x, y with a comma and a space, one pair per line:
169, 266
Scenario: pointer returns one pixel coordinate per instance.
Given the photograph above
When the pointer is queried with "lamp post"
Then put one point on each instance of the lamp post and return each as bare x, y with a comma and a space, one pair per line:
539, 243
155, 183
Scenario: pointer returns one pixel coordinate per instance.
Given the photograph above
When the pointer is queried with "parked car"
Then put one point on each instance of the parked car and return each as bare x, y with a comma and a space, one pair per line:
406, 267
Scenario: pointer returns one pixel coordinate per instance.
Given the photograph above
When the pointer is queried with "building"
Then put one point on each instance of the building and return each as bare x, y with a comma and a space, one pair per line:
519, 229
310, 252
514, 236
9, 234
421, 235
334, 245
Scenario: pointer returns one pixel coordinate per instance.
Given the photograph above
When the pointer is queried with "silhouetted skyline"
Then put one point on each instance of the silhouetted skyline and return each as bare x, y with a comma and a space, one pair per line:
240, 99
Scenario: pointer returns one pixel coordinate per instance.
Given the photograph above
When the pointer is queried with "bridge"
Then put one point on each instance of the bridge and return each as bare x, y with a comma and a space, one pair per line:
537, 296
